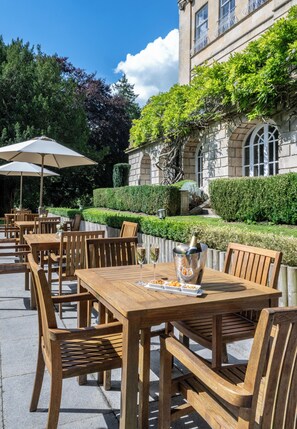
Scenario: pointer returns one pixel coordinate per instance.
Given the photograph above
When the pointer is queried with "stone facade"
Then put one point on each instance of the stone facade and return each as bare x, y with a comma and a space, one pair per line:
246, 21
220, 151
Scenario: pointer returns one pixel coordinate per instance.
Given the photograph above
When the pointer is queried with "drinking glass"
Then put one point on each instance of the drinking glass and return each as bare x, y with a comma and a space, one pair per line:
154, 255
140, 256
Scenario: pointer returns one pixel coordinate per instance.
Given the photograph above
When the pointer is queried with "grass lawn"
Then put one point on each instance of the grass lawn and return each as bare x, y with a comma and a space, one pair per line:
288, 230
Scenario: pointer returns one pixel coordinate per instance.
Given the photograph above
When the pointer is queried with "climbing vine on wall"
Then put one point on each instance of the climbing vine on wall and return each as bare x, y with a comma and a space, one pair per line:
256, 82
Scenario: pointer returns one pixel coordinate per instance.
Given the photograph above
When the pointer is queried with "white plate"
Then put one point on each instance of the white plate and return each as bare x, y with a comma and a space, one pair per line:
175, 290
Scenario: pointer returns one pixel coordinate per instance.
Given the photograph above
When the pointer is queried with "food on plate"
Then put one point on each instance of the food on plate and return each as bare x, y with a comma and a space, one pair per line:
174, 283
157, 282
191, 287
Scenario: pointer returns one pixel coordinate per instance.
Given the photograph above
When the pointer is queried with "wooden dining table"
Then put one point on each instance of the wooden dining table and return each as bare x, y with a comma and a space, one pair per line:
24, 226
139, 309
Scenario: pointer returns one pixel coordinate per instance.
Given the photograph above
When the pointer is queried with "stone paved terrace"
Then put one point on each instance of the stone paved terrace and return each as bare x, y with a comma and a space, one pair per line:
88, 406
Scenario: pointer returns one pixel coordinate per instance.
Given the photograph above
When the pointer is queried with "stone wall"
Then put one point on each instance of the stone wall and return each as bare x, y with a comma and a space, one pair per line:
248, 25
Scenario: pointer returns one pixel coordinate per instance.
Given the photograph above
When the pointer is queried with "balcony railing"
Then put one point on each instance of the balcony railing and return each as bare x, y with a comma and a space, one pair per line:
226, 22
254, 4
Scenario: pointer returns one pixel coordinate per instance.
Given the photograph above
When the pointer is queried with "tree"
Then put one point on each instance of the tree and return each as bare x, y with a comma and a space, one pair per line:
47, 95
126, 90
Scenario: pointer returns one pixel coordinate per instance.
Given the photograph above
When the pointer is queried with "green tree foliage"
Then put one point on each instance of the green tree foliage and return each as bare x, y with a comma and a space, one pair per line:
256, 82
46, 95
125, 89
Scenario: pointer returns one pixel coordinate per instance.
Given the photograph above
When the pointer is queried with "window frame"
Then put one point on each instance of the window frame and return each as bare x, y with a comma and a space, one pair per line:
199, 166
258, 144
198, 27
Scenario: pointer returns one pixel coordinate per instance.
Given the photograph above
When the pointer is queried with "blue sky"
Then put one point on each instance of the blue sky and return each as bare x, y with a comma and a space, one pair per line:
97, 35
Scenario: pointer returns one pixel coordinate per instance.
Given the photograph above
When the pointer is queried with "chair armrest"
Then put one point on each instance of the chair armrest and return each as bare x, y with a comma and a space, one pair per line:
85, 333
234, 395
85, 296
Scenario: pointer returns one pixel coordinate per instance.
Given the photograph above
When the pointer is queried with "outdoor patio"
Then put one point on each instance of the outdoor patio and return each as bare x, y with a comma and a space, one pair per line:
87, 406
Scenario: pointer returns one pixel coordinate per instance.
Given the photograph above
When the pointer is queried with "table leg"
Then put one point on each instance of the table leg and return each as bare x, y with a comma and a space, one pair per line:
144, 377
217, 341
129, 386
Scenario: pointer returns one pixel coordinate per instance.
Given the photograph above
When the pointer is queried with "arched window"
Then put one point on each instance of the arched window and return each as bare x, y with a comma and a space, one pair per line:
199, 171
260, 151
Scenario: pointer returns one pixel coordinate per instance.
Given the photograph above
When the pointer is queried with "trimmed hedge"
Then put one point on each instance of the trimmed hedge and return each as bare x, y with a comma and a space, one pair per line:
120, 174
64, 211
145, 199
272, 199
216, 237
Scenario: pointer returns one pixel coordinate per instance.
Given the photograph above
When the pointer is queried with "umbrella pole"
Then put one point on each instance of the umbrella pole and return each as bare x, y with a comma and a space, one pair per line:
21, 191
41, 182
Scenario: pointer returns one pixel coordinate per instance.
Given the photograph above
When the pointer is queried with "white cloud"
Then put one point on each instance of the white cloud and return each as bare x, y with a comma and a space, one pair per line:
154, 69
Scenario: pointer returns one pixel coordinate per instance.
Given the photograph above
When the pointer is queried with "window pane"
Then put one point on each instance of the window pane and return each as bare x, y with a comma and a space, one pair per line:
270, 151
256, 170
256, 148
262, 170
247, 171
261, 153
270, 170
246, 156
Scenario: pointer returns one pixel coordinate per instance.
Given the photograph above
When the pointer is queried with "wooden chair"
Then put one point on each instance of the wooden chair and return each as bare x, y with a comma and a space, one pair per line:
46, 225
109, 252
71, 255
129, 229
68, 352
250, 263
261, 395
17, 260
75, 224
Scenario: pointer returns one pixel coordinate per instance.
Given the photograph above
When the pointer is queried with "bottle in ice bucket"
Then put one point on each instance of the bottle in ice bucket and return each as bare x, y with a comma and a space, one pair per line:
194, 246
190, 261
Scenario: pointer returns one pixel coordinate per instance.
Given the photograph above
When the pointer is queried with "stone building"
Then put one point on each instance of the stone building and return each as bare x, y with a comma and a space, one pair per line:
212, 30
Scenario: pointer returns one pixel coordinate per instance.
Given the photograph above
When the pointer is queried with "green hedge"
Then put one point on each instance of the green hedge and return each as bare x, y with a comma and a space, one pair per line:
272, 199
145, 199
63, 211
120, 174
216, 237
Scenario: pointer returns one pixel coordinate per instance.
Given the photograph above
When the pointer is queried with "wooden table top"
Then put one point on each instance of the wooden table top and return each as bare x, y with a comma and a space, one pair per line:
116, 288
35, 239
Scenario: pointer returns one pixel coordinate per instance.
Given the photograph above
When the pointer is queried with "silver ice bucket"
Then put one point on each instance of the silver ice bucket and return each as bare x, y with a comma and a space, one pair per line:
189, 268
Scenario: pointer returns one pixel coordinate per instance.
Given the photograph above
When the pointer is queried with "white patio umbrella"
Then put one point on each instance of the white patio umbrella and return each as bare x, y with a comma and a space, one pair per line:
44, 151
24, 169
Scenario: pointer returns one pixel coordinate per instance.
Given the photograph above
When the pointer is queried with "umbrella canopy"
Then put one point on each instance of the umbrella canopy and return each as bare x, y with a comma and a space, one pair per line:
24, 169
44, 151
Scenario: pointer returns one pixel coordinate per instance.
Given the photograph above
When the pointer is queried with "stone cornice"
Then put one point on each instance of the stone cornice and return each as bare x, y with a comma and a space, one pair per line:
183, 3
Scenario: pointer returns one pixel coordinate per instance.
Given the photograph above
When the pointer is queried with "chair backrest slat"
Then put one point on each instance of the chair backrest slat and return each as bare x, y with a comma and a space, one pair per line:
108, 252
129, 229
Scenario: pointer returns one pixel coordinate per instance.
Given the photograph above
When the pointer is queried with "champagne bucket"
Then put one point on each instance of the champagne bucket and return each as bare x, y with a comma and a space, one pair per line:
189, 268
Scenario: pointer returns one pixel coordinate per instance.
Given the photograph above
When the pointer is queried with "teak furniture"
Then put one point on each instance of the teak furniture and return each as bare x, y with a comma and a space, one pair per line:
129, 229
75, 224
71, 255
46, 225
262, 395
25, 226
139, 308
109, 252
19, 251
245, 262
38, 244
68, 352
